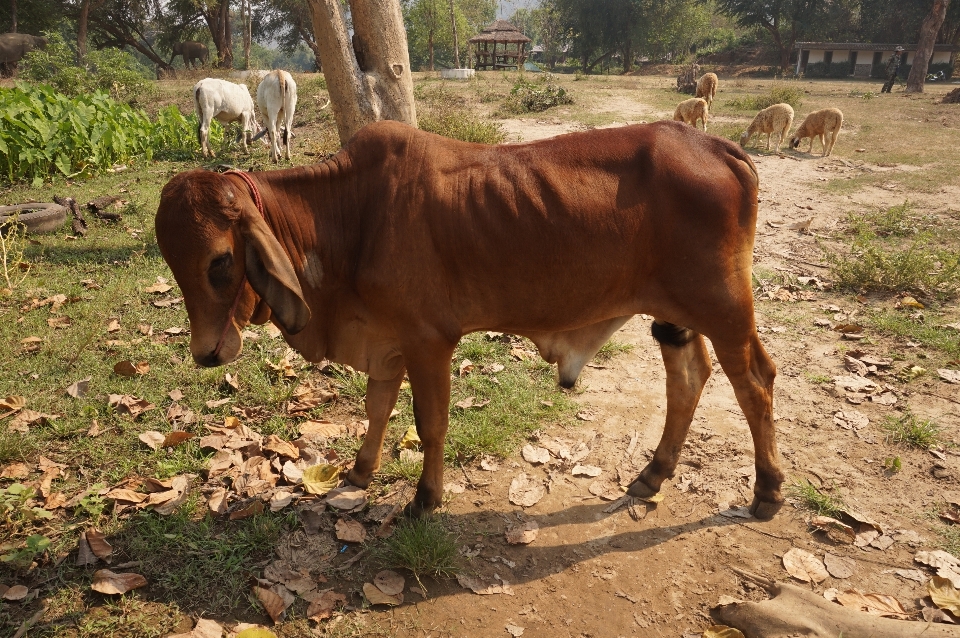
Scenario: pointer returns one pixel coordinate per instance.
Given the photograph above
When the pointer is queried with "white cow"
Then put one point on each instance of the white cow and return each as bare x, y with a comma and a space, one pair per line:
277, 99
226, 101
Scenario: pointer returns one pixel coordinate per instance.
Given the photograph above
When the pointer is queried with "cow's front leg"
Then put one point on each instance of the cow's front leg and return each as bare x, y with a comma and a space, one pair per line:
380, 400
688, 368
428, 366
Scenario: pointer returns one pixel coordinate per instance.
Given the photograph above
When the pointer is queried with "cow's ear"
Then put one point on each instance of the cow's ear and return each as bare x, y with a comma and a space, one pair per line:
271, 274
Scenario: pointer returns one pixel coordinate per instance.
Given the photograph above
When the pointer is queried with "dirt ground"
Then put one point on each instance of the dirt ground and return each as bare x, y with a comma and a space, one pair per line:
646, 570
593, 573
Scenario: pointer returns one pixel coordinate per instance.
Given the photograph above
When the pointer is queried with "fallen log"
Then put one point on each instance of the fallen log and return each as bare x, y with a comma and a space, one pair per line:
795, 611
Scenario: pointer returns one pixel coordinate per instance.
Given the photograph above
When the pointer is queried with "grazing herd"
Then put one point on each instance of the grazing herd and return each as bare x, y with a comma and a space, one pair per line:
774, 120
229, 102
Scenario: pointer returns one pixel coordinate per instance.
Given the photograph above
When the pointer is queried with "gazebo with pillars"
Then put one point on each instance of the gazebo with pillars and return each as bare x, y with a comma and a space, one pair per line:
499, 46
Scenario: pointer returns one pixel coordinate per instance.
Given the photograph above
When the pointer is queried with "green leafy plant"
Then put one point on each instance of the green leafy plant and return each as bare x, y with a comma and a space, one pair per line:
780, 92
892, 464
23, 556
539, 95
110, 70
92, 504
16, 506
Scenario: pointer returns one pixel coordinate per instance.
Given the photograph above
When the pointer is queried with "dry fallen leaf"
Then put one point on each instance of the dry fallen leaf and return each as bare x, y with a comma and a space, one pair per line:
158, 288
469, 403
275, 600
836, 530
15, 593
411, 440
323, 605
128, 368
152, 439
255, 507
350, 531
217, 501
514, 630
108, 582
523, 534
252, 631
274, 443
950, 376
376, 597
131, 405
175, 438
804, 566
479, 587
321, 429
320, 479
205, 628
389, 582
722, 631
98, 544
15, 471
839, 566
347, 498
85, 555
876, 604
946, 564
466, 367
79, 388
944, 595
526, 491
113, 325
586, 470
533, 454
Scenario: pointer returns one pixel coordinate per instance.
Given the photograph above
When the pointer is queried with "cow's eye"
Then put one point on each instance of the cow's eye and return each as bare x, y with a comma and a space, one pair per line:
219, 272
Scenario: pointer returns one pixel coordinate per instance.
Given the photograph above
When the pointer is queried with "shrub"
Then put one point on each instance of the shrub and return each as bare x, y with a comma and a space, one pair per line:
536, 96
112, 71
779, 93
919, 266
43, 131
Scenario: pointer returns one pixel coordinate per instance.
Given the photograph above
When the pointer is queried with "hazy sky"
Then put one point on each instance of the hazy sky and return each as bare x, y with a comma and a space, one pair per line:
507, 7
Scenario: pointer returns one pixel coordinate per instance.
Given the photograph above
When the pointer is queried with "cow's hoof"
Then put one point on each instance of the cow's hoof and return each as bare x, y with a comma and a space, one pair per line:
414, 510
765, 510
640, 489
355, 478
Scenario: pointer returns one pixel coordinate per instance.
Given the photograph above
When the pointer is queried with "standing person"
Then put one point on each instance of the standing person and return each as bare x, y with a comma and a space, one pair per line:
893, 66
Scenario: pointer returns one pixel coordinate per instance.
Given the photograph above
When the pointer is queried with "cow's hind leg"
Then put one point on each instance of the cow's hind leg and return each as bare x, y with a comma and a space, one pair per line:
380, 400
688, 368
751, 372
428, 365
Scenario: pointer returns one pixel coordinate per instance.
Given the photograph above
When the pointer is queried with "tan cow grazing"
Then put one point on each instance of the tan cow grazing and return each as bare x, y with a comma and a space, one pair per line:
384, 256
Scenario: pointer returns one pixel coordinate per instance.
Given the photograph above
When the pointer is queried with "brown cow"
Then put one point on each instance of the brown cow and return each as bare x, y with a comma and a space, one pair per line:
384, 256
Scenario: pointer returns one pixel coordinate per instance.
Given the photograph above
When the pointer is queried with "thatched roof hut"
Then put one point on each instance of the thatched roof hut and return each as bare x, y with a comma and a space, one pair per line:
500, 45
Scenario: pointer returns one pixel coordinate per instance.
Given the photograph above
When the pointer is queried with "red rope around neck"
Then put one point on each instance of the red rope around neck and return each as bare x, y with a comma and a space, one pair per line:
243, 282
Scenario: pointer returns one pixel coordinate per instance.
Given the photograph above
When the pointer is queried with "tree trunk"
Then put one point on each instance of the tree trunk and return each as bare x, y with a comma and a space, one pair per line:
371, 79
588, 68
928, 37
218, 21
245, 10
456, 45
122, 37
430, 48
309, 41
85, 8
628, 55
784, 52
13, 16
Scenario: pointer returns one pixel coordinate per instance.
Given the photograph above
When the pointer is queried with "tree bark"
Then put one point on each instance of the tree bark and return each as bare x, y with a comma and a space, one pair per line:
245, 10
85, 8
218, 21
928, 37
307, 38
371, 79
456, 45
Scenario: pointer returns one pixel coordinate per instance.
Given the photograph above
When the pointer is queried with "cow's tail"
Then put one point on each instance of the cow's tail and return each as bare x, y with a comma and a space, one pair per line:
196, 103
283, 102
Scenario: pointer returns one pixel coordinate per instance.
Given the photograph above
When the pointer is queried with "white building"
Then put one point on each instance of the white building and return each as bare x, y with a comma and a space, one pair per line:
863, 57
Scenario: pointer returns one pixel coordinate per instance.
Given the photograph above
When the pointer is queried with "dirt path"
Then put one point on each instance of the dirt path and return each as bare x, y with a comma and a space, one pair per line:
596, 573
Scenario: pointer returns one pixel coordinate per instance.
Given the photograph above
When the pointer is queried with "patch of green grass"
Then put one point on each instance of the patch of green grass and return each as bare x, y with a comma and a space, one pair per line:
612, 349
950, 538
462, 125
351, 384
911, 431
900, 325
816, 377
125, 617
423, 546
402, 468
896, 221
876, 265
200, 563
809, 497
